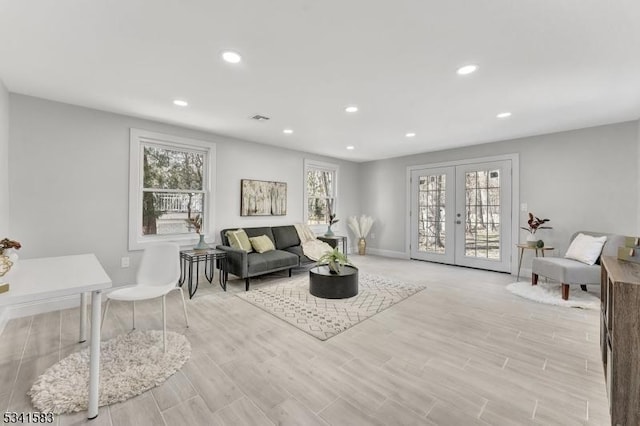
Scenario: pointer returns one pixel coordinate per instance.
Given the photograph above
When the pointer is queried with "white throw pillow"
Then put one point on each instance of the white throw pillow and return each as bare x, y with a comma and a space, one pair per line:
585, 248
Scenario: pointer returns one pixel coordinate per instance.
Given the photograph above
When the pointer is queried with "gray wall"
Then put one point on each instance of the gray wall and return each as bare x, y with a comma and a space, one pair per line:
4, 162
70, 171
582, 180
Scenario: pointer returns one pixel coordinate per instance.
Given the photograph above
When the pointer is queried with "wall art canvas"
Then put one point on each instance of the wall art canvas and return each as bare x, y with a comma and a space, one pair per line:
262, 198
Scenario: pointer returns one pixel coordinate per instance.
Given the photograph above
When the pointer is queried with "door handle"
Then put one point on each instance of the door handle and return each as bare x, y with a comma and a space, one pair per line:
458, 222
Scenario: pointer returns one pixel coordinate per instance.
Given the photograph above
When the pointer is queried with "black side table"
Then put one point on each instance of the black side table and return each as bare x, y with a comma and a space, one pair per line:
189, 257
333, 241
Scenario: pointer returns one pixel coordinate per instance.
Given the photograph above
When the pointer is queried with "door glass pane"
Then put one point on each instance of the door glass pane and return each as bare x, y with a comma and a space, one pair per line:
431, 213
482, 214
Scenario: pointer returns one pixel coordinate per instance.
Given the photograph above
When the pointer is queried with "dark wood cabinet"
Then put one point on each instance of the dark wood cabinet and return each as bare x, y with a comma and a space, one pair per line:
620, 338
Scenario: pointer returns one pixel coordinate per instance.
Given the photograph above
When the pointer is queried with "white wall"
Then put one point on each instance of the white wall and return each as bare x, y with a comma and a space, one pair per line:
69, 181
4, 176
70, 171
4, 162
582, 180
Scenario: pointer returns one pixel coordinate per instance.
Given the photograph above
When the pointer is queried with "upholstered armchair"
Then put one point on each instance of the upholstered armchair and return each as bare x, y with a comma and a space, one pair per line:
570, 271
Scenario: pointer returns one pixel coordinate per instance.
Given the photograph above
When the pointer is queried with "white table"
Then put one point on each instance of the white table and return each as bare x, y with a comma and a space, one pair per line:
51, 277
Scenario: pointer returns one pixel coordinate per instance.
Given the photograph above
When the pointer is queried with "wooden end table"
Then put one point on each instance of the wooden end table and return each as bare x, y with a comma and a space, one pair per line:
524, 247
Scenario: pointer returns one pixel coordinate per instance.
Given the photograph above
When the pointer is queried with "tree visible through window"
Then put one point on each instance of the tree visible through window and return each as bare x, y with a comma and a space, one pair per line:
431, 213
320, 192
173, 189
171, 186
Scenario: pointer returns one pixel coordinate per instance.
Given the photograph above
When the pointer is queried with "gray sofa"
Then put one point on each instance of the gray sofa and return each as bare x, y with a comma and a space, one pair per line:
569, 271
287, 255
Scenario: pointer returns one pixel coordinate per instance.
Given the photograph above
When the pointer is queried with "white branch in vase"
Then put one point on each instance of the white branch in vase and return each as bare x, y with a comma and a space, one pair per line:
362, 227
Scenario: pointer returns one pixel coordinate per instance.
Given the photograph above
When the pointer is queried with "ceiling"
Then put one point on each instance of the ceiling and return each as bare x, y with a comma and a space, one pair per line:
555, 65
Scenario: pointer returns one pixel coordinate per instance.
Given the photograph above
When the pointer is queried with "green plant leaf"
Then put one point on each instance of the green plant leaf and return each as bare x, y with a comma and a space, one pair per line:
334, 256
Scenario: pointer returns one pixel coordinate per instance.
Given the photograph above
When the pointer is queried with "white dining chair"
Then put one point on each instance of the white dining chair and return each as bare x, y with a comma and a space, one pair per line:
157, 275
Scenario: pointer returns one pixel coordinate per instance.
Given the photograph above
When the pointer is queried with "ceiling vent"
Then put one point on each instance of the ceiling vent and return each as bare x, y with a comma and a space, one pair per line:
260, 117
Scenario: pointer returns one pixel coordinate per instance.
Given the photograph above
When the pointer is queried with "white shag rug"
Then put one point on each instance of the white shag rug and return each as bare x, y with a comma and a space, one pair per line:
551, 294
289, 299
129, 365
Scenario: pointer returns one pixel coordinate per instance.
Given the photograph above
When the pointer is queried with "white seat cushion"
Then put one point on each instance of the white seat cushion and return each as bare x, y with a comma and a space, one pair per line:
566, 271
140, 292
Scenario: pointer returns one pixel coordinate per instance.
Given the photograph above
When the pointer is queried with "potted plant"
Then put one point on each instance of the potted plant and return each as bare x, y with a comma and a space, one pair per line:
534, 223
8, 248
335, 260
196, 224
332, 219
8, 257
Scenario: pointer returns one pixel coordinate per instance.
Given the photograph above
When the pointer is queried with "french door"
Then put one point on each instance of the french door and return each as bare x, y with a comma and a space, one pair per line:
461, 215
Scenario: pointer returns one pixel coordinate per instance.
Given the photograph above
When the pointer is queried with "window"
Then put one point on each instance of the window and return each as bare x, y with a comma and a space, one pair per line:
170, 182
321, 182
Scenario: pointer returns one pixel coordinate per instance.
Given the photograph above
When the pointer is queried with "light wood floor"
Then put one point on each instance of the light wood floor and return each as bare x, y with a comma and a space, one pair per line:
462, 352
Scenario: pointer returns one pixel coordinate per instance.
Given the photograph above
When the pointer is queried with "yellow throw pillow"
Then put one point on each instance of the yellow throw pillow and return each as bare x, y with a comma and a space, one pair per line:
238, 239
262, 244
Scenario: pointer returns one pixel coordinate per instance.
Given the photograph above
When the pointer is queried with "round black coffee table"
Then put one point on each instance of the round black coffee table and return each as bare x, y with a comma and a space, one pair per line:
326, 285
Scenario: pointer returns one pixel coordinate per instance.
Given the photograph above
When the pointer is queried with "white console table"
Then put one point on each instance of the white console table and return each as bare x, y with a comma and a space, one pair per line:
52, 277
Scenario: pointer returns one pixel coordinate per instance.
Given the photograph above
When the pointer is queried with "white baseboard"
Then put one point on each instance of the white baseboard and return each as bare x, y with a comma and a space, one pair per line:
388, 253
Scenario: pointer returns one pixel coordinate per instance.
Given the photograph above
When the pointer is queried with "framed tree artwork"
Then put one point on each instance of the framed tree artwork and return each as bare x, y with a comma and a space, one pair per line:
263, 198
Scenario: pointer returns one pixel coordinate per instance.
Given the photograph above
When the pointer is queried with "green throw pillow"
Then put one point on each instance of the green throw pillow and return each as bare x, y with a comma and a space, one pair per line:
238, 239
262, 244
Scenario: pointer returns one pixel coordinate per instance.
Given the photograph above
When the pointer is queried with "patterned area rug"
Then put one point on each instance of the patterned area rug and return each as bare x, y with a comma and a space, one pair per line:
289, 300
129, 365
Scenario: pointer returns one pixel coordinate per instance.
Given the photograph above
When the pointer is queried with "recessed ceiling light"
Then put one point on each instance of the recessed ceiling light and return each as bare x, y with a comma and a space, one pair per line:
504, 115
467, 69
287, 131
180, 102
410, 135
351, 108
231, 57
351, 147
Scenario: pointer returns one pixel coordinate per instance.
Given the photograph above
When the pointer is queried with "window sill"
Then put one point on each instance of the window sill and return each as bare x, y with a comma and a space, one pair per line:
319, 230
182, 240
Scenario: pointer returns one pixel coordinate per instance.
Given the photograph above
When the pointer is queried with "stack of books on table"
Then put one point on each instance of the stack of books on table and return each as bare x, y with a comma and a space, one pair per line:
631, 250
